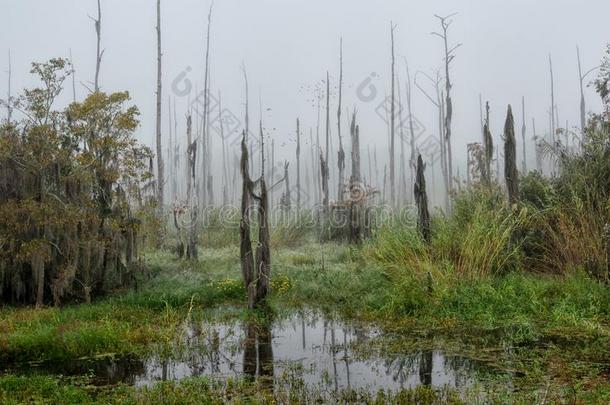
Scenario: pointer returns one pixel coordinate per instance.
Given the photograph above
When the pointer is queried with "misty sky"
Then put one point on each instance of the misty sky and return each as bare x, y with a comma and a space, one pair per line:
289, 45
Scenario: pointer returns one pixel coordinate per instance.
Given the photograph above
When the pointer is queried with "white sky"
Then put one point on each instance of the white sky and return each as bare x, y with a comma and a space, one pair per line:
288, 44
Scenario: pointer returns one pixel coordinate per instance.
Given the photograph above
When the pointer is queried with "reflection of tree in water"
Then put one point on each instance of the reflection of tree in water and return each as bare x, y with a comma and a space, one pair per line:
462, 368
426, 364
402, 367
258, 353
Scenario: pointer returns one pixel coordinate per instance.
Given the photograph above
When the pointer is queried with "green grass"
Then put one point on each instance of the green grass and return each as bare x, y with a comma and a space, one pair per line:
535, 313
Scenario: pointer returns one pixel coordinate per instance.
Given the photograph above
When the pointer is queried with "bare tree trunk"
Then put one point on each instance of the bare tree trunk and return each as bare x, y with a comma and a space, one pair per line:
326, 202
392, 123
9, 108
341, 153
160, 168
225, 172
402, 178
583, 122
286, 198
448, 58
368, 152
510, 158
193, 209
421, 199
99, 53
412, 159
357, 188
245, 250
553, 127
37, 264
263, 251
488, 149
523, 130
206, 107
298, 168
537, 148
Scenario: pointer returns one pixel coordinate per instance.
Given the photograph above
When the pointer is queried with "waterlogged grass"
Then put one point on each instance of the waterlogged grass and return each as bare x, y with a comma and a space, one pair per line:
201, 390
556, 326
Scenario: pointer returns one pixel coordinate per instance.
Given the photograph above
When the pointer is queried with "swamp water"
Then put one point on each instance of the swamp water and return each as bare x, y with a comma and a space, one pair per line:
305, 350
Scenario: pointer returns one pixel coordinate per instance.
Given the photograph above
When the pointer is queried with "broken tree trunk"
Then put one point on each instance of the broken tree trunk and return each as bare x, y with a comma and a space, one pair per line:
191, 248
421, 199
488, 150
523, 131
356, 188
511, 175
298, 168
341, 153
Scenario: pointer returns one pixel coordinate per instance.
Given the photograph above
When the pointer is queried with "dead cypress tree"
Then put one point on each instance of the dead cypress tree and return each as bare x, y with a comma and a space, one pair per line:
421, 199
225, 169
488, 149
9, 108
326, 201
255, 268
553, 124
412, 159
356, 187
99, 53
448, 58
341, 153
286, 198
160, 167
191, 249
298, 167
523, 131
511, 175
392, 122
205, 151
325, 205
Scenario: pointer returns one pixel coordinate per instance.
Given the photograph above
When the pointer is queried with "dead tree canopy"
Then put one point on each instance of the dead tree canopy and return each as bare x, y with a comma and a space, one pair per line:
510, 158
421, 199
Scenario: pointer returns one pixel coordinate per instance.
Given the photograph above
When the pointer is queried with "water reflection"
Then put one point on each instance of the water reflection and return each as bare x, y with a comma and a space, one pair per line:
305, 350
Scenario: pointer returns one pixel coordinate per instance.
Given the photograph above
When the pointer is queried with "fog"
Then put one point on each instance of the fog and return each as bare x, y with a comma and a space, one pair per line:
288, 46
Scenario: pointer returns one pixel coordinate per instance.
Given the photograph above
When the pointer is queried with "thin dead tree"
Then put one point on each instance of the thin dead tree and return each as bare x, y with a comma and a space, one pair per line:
341, 153
449, 56
392, 120
523, 131
73, 76
553, 124
439, 103
581, 79
9, 108
191, 249
206, 112
298, 153
488, 150
160, 167
412, 159
326, 201
421, 199
356, 187
511, 174
402, 178
286, 200
99, 52
225, 170
538, 147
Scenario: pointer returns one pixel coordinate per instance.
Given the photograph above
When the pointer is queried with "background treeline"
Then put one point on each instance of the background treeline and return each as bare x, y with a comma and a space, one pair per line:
72, 193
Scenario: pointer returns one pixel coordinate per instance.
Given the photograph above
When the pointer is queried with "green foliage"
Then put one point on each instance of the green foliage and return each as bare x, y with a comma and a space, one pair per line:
69, 187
